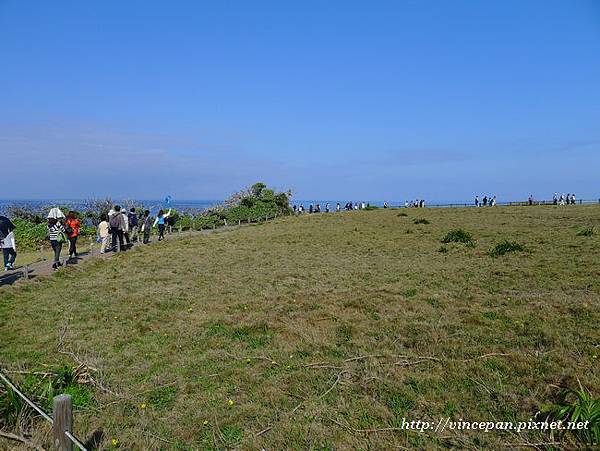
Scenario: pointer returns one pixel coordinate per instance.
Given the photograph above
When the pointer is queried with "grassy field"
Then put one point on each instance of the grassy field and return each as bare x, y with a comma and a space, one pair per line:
322, 331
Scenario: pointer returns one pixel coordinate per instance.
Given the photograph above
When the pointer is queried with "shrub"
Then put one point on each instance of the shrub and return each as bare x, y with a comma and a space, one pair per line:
421, 221
505, 247
28, 234
443, 250
457, 236
586, 232
578, 406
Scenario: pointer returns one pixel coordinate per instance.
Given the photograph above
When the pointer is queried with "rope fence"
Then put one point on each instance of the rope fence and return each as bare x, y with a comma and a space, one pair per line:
61, 420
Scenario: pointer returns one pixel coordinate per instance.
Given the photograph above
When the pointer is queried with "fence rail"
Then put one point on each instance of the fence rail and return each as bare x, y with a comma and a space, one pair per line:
61, 420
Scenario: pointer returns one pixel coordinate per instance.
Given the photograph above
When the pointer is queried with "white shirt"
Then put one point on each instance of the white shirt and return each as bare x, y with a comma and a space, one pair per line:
9, 242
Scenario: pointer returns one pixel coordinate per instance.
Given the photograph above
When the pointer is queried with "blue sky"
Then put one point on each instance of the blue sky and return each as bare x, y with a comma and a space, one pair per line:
338, 99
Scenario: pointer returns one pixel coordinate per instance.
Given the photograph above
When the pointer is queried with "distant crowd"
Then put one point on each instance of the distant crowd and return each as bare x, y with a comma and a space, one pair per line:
316, 208
562, 199
348, 206
485, 201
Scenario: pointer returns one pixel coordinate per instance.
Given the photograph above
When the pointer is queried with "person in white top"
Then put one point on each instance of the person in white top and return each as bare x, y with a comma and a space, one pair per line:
9, 251
103, 233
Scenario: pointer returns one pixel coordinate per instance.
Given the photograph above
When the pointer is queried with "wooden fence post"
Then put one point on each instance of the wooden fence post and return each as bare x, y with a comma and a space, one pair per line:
26, 272
62, 416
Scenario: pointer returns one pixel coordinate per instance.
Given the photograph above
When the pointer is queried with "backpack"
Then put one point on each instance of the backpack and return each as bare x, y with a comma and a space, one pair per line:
133, 219
115, 222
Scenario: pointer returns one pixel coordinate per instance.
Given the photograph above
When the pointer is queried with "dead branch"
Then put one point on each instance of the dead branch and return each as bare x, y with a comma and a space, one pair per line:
337, 381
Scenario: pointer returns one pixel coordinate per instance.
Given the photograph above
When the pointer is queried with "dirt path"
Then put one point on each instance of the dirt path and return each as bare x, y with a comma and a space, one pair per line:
44, 268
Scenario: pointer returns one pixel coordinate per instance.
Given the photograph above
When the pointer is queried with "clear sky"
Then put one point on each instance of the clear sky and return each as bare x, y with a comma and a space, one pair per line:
368, 100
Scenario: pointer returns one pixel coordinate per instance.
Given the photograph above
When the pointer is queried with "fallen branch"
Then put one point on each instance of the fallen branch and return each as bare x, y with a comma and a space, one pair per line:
264, 431
35, 373
364, 357
337, 381
484, 356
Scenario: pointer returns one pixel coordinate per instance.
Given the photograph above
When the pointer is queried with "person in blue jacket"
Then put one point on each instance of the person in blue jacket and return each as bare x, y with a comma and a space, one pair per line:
160, 223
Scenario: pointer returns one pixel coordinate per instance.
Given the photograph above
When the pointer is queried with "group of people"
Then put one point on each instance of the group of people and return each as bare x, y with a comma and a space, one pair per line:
117, 231
121, 228
316, 208
417, 203
563, 199
61, 232
486, 201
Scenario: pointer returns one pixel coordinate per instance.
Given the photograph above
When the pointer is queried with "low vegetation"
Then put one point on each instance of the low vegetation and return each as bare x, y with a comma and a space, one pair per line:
458, 236
586, 232
506, 247
322, 331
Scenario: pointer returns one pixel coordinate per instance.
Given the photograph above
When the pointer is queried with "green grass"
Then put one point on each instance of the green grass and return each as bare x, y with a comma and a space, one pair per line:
506, 247
315, 330
458, 236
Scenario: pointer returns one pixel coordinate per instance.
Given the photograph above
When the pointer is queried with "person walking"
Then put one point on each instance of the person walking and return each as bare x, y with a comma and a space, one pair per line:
117, 225
103, 233
132, 219
126, 229
56, 232
146, 226
160, 223
9, 250
7, 237
72, 228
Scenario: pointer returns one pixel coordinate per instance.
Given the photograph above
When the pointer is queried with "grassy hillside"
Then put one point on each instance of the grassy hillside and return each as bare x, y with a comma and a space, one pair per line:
322, 331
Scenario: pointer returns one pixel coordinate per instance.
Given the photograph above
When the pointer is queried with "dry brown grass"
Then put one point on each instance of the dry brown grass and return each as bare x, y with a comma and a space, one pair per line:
325, 330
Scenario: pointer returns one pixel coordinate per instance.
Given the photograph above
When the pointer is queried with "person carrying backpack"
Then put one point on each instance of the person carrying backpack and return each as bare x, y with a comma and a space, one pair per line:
132, 218
117, 226
146, 226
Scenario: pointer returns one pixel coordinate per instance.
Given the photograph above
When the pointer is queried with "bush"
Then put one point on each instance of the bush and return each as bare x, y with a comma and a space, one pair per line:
578, 406
28, 234
505, 247
586, 232
457, 236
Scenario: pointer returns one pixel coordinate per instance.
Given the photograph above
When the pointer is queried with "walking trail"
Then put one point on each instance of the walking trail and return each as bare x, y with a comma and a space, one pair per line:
44, 268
